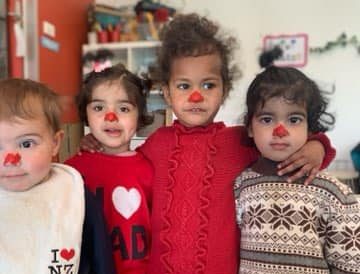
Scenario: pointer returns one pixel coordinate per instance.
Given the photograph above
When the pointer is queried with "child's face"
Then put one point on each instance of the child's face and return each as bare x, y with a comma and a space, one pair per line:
26, 151
195, 89
112, 118
279, 129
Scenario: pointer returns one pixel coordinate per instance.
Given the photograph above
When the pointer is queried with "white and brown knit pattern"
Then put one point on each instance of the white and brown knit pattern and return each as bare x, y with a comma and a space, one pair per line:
290, 228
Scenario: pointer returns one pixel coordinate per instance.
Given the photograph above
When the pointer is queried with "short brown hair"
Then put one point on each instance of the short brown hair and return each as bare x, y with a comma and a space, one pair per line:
28, 99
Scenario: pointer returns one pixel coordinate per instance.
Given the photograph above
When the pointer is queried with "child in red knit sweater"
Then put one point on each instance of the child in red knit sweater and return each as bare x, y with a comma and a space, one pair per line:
196, 160
112, 103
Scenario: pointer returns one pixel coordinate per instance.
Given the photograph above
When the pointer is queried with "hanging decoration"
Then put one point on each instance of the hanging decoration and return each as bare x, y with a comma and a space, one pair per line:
342, 41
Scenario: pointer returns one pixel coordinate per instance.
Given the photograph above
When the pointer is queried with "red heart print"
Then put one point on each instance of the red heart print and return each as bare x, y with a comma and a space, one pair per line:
67, 254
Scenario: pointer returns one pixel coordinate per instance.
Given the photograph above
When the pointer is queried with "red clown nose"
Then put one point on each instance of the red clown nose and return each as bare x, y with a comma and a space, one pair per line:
195, 97
111, 117
280, 131
12, 158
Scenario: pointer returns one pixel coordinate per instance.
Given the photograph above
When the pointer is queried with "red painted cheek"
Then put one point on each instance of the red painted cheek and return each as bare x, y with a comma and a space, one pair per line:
280, 131
111, 117
12, 158
195, 97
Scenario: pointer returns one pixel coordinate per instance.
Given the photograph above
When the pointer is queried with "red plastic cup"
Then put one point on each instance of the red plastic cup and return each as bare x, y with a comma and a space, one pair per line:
102, 36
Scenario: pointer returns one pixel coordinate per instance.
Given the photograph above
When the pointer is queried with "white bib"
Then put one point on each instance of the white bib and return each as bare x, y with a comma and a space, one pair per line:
41, 229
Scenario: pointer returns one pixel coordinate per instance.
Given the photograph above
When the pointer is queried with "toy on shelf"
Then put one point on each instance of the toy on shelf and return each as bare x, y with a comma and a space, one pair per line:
97, 61
141, 22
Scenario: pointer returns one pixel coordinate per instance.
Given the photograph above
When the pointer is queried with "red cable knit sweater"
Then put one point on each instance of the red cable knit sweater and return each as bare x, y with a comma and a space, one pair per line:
193, 214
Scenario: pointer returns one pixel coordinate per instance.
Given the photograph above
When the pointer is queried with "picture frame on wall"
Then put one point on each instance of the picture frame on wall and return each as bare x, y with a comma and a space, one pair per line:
293, 46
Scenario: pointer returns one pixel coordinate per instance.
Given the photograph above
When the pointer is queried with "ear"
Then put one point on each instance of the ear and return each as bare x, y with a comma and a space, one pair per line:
166, 92
58, 137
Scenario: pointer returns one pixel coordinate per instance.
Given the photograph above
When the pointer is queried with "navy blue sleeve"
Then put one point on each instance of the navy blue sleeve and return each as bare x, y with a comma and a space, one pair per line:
96, 254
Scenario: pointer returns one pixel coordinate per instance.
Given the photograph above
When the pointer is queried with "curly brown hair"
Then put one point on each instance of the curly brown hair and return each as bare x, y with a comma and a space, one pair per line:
192, 35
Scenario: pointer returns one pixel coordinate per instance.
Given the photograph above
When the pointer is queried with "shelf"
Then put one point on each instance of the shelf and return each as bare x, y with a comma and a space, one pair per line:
121, 45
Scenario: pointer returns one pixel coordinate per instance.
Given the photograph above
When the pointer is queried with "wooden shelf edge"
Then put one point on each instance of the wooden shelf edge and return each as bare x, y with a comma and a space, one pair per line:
121, 45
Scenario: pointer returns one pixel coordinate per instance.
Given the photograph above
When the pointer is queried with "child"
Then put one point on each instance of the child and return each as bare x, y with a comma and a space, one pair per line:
196, 160
42, 204
290, 227
112, 103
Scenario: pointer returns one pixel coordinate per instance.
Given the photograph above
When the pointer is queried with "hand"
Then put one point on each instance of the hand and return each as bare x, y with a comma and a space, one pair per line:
90, 144
307, 161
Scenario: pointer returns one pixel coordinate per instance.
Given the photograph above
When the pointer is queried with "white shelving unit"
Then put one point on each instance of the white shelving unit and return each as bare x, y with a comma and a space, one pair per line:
136, 56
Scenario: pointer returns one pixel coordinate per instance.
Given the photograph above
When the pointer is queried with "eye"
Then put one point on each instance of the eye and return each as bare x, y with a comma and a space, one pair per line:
295, 119
183, 86
27, 143
124, 109
265, 119
208, 85
97, 108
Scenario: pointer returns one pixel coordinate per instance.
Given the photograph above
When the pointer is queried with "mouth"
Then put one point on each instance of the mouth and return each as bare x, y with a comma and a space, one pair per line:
13, 176
195, 110
279, 146
112, 132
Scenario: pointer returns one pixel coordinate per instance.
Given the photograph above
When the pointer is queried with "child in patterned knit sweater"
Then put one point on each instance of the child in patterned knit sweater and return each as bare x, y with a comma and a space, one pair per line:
112, 103
49, 222
196, 160
289, 228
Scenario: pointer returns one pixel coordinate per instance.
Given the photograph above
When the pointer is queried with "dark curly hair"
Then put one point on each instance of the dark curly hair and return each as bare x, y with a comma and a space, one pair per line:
136, 88
193, 35
293, 86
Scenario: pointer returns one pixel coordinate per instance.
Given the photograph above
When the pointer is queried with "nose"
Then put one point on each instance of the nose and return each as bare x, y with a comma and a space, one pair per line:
111, 117
12, 159
280, 131
195, 97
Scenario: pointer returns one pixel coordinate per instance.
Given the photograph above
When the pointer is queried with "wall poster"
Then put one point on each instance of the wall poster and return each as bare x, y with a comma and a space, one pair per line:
294, 47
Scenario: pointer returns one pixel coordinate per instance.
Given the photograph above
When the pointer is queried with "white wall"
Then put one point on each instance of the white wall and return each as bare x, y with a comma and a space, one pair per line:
323, 21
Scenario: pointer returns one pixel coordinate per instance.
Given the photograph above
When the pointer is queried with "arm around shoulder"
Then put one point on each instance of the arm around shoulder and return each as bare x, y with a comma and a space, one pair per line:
330, 151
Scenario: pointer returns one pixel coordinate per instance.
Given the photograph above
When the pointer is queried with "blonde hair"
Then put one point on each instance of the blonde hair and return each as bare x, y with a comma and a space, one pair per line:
28, 99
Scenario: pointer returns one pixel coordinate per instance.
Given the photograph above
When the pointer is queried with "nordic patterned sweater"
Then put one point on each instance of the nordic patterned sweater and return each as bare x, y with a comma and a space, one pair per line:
290, 228
193, 214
